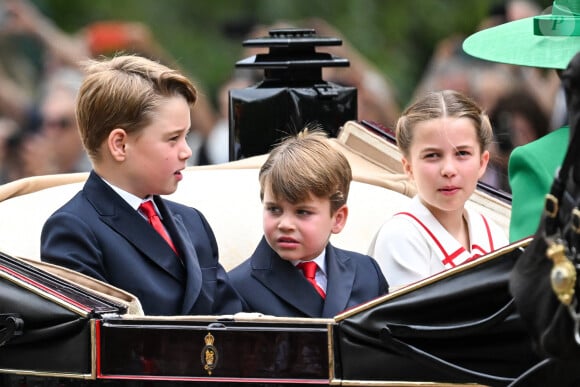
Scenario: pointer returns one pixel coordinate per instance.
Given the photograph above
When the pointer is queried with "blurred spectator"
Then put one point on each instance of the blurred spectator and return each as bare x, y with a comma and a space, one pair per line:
23, 18
517, 118
214, 148
377, 98
542, 84
100, 38
58, 140
15, 97
450, 68
53, 145
8, 129
45, 140
491, 81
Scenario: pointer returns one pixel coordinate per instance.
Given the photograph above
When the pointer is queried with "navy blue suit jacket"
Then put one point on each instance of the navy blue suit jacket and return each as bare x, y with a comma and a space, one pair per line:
98, 233
274, 286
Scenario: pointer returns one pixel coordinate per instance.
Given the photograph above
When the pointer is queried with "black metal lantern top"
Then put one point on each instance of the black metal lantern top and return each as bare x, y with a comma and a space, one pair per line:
292, 56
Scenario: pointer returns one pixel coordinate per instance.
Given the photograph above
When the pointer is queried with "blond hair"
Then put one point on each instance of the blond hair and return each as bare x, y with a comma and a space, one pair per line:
439, 104
307, 164
124, 92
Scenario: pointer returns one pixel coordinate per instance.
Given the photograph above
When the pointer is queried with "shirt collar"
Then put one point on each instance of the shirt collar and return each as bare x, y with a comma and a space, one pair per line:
320, 261
133, 200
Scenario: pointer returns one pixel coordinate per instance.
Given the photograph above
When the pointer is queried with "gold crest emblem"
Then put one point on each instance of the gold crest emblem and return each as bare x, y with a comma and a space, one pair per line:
209, 354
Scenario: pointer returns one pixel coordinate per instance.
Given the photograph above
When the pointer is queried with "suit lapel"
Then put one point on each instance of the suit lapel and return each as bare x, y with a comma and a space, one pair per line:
181, 239
285, 280
126, 221
340, 272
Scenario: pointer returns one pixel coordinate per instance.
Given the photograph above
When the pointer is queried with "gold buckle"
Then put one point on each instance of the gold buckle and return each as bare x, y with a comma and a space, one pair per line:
575, 220
551, 201
563, 274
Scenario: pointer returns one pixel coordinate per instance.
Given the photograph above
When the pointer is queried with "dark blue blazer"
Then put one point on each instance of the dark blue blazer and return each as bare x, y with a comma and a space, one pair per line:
98, 233
273, 286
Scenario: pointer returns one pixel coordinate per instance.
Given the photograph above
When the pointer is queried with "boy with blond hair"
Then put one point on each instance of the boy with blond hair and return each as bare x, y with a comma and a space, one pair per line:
133, 116
295, 271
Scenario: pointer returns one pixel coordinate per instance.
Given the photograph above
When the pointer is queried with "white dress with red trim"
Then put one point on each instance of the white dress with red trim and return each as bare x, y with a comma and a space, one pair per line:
413, 245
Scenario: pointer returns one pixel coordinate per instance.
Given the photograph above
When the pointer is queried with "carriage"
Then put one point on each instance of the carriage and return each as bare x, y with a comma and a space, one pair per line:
60, 328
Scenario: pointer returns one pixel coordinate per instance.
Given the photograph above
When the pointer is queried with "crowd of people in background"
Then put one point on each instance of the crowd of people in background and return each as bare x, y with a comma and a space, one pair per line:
38, 133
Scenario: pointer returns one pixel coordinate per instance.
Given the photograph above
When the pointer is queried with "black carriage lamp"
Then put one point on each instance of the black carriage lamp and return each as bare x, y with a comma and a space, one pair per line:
291, 95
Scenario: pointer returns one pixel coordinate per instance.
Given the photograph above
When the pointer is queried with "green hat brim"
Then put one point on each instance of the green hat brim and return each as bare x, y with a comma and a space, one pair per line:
515, 43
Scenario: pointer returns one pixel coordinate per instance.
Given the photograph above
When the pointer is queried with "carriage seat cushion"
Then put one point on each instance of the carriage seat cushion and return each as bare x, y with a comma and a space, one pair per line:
229, 198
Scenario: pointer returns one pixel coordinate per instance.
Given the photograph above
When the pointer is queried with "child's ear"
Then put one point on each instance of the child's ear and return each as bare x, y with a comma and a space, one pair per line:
407, 167
339, 219
483, 163
116, 142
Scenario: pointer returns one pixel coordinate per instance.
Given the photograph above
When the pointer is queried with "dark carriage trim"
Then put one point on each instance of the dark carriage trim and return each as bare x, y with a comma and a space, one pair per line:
84, 302
275, 352
11, 325
381, 343
416, 331
368, 383
43, 290
91, 375
57, 337
433, 279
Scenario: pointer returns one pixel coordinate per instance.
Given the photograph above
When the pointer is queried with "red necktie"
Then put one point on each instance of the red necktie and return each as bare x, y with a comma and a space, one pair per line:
309, 270
147, 209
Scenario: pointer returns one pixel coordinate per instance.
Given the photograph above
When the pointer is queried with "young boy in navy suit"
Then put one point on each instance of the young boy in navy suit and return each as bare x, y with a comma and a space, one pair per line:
304, 186
133, 116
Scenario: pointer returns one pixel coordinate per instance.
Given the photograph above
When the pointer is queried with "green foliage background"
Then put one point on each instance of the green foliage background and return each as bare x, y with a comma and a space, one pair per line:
398, 36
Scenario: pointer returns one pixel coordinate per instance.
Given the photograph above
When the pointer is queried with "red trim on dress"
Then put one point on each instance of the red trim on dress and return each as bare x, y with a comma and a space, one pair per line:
448, 258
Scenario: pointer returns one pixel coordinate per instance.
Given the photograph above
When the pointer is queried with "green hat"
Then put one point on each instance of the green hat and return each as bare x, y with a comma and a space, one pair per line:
548, 41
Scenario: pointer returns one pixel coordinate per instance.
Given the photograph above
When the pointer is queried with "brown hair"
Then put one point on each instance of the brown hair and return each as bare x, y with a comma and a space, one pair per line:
307, 164
123, 92
446, 103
